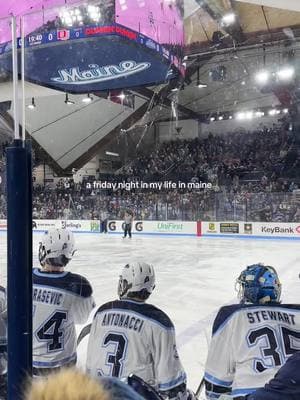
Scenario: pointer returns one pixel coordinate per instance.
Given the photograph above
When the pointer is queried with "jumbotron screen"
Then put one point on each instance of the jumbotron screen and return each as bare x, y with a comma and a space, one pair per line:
21, 7
160, 20
124, 42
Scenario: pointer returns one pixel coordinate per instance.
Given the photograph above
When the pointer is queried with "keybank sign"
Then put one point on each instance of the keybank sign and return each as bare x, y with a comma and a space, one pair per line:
95, 73
281, 229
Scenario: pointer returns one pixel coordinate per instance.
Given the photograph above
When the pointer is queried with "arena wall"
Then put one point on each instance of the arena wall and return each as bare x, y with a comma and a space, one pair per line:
232, 229
260, 230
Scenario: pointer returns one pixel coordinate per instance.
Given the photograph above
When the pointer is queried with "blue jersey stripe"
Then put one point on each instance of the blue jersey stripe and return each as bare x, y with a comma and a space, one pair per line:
55, 364
173, 383
138, 314
242, 392
143, 309
226, 313
216, 381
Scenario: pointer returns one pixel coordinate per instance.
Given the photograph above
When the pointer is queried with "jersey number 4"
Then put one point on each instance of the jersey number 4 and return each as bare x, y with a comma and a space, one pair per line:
277, 349
50, 331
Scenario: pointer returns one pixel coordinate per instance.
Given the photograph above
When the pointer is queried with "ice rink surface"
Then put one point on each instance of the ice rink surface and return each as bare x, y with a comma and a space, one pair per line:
194, 277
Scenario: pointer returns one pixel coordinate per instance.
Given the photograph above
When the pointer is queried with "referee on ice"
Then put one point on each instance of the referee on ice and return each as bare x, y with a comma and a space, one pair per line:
128, 218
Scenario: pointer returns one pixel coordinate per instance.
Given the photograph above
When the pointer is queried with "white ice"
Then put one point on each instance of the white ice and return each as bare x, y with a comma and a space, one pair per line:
195, 276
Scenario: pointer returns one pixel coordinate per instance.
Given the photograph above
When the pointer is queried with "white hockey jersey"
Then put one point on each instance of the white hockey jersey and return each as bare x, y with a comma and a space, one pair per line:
60, 300
249, 344
129, 337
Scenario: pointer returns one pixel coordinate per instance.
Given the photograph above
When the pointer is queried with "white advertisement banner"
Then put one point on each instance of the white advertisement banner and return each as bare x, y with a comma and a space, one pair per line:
44, 224
263, 229
277, 229
115, 226
188, 228
171, 227
156, 227
232, 228
73, 225
80, 225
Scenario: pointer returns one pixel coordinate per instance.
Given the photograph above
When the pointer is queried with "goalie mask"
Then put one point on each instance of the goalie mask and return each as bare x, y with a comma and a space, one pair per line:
136, 280
259, 284
56, 247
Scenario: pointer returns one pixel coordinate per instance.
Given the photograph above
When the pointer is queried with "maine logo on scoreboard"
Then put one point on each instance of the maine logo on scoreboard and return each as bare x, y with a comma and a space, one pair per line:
95, 73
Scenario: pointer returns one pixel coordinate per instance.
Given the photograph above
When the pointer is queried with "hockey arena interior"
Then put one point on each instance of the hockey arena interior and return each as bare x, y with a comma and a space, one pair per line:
161, 139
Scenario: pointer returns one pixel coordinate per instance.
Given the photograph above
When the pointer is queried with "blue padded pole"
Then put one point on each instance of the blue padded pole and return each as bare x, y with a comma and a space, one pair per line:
29, 307
19, 270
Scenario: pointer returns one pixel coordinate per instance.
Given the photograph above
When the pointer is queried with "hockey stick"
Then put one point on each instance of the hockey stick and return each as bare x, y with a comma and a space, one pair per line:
85, 331
199, 389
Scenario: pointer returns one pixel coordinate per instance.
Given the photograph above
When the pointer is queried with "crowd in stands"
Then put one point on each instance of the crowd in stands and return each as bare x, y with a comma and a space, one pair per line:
270, 153
253, 177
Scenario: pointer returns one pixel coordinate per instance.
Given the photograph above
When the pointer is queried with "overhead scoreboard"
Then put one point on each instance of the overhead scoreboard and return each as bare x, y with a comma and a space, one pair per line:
108, 54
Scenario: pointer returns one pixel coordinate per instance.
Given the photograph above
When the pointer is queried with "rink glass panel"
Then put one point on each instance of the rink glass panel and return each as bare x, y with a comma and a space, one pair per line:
6, 134
68, 126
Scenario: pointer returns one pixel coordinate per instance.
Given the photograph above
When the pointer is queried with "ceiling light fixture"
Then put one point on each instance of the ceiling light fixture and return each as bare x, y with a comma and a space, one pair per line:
259, 114
262, 76
249, 115
285, 74
32, 105
87, 99
68, 101
272, 112
240, 115
200, 84
122, 96
228, 19
111, 153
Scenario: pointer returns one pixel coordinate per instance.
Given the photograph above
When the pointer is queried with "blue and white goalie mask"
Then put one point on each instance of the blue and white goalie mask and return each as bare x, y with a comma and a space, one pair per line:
259, 284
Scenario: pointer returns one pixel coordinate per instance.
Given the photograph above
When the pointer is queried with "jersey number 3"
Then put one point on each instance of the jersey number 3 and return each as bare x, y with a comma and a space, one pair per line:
51, 332
276, 350
118, 342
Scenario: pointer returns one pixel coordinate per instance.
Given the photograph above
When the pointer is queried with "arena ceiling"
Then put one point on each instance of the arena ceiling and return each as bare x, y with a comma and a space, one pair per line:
264, 31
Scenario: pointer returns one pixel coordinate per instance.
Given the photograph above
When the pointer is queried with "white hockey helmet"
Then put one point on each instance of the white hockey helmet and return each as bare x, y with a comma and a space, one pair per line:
56, 247
136, 280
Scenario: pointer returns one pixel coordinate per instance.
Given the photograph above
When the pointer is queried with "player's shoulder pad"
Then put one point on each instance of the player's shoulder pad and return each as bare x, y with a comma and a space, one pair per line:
79, 285
288, 306
224, 314
69, 282
148, 311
